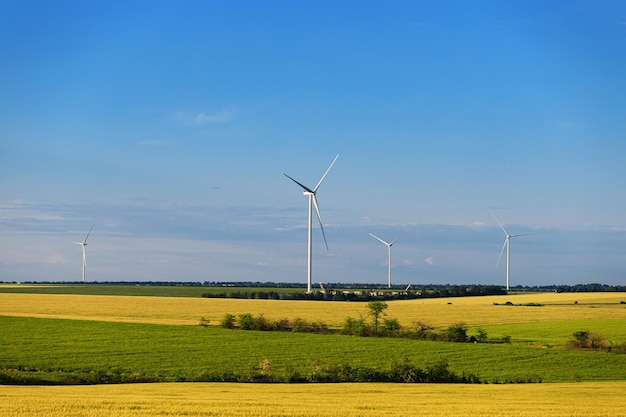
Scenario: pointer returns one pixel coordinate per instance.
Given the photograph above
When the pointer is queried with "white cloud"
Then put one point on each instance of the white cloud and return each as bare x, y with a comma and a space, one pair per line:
219, 117
203, 118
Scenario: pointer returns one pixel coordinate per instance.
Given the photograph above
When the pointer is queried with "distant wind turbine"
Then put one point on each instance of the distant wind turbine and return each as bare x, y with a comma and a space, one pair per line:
389, 245
84, 244
311, 193
507, 244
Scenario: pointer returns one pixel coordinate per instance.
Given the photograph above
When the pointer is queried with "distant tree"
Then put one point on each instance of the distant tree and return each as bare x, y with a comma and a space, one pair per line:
376, 310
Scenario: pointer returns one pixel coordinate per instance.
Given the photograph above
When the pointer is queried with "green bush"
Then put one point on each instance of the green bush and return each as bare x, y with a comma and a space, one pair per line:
245, 321
588, 340
228, 321
355, 327
456, 333
391, 327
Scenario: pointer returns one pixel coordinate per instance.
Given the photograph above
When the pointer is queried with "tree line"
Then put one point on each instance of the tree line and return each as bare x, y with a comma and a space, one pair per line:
373, 324
331, 294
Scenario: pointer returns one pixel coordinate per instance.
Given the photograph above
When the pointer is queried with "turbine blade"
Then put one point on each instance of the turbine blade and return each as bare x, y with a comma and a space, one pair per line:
325, 173
398, 238
502, 250
301, 185
500, 224
87, 237
382, 241
523, 234
319, 217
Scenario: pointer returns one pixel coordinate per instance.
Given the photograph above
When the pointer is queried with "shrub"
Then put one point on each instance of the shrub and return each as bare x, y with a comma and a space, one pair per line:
355, 327
529, 378
405, 371
618, 348
319, 327
457, 333
439, 372
391, 327
260, 373
587, 340
482, 335
245, 321
423, 329
261, 323
282, 325
228, 321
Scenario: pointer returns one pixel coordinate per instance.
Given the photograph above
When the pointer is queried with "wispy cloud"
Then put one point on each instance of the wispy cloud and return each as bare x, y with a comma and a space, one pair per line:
214, 118
204, 118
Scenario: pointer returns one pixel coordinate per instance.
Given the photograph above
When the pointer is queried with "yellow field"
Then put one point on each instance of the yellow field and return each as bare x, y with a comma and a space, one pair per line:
474, 311
316, 400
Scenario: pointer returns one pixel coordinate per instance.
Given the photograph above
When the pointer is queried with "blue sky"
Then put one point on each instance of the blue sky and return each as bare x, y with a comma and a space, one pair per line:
168, 127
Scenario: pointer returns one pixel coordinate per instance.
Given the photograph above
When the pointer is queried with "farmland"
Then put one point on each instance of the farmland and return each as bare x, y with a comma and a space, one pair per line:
318, 400
56, 338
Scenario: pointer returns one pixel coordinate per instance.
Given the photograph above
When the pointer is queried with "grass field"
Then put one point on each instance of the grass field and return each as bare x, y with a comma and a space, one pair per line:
52, 348
320, 400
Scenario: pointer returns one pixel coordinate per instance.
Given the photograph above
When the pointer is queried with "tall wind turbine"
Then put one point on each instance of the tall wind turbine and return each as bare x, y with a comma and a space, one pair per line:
311, 193
84, 244
389, 245
507, 244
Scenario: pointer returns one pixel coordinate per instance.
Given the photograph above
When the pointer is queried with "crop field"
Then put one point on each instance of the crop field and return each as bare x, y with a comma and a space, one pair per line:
474, 311
52, 349
315, 400
56, 338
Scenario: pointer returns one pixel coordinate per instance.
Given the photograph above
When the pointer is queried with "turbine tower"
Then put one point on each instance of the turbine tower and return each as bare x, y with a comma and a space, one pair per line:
311, 193
507, 244
389, 245
84, 244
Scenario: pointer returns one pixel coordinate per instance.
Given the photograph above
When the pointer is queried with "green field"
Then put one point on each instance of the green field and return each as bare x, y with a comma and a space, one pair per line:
51, 349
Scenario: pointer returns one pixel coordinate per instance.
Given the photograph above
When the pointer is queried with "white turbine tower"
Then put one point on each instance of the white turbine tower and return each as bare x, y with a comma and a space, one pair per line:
507, 244
313, 202
84, 244
389, 245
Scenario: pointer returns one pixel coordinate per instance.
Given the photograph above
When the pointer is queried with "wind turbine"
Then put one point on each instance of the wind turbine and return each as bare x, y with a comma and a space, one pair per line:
507, 244
84, 244
313, 202
389, 245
